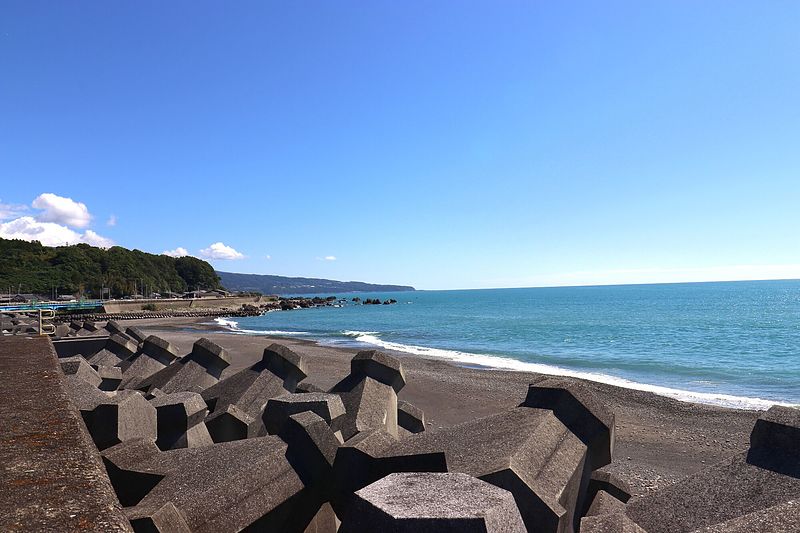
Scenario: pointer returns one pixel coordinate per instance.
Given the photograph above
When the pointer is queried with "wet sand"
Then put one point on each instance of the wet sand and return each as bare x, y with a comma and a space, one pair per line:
658, 440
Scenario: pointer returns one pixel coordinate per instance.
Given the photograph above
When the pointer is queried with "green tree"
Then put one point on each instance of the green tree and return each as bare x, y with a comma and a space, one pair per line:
197, 272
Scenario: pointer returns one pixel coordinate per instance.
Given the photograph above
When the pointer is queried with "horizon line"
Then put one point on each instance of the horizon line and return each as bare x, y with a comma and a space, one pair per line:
590, 285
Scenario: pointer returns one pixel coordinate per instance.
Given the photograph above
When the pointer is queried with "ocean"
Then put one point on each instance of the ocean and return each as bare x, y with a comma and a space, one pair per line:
735, 344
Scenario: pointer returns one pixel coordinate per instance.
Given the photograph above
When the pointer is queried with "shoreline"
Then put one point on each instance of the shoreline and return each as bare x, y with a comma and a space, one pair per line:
509, 364
659, 440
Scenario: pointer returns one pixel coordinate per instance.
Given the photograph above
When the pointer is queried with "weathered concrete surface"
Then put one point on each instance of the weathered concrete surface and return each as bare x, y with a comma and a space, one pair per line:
278, 410
83, 395
581, 411
192, 373
325, 521
605, 503
125, 415
777, 430
85, 346
237, 402
312, 447
78, 366
610, 523
428, 502
112, 326
783, 518
224, 487
166, 519
118, 348
379, 366
136, 334
722, 492
111, 377
155, 354
180, 421
410, 417
52, 478
603, 481
232, 423
370, 404
369, 393
526, 451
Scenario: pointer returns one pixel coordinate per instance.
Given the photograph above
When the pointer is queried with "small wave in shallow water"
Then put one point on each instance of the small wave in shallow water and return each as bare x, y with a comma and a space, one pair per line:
233, 327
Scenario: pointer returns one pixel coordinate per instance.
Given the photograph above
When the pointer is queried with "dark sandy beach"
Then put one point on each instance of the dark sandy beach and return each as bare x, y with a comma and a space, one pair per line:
658, 440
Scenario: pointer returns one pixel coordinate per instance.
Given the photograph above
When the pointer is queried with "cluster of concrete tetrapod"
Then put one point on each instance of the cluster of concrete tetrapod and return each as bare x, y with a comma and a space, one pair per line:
19, 323
264, 450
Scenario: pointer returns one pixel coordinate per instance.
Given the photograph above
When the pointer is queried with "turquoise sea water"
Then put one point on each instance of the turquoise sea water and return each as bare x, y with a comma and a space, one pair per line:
732, 343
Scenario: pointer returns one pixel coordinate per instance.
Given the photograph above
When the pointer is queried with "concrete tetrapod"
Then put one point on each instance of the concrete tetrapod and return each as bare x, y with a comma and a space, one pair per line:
111, 377
237, 402
433, 502
579, 410
278, 410
180, 421
228, 486
136, 334
112, 327
125, 415
192, 373
749, 483
154, 355
410, 417
78, 366
118, 348
312, 447
528, 452
369, 393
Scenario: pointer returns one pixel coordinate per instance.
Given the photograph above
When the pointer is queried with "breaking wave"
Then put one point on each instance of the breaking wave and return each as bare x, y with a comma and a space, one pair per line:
233, 327
507, 363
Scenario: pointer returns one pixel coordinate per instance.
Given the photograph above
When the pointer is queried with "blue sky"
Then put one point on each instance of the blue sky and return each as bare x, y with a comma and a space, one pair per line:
439, 144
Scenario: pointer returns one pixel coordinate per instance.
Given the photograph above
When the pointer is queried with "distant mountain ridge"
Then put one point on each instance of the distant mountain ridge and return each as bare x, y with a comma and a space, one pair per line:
267, 284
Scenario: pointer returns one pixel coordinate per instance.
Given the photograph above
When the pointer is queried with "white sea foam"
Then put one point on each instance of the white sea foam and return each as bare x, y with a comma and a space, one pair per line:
506, 363
233, 327
226, 323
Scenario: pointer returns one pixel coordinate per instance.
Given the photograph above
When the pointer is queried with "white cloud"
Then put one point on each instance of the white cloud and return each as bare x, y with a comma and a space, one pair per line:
11, 210
90, 237
177, 252
61, 210
268, 257
327, 258
219, 250
49, 233
112, 221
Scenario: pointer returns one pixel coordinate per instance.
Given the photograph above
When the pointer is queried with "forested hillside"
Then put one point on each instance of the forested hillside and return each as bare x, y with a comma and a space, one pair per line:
29, 267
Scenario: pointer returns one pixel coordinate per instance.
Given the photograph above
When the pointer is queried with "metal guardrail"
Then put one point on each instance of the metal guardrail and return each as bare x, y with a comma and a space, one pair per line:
46, 327
37, 322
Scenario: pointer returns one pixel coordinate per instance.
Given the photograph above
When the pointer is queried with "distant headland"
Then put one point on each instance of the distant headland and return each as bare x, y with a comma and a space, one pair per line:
266, 284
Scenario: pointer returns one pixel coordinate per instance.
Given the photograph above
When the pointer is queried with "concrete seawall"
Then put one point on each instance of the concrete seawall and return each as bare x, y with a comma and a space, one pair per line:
124, 306
52, 476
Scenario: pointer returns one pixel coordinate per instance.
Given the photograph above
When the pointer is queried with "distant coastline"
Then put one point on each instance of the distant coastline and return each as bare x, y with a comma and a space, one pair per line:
283, 285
